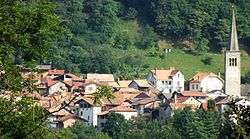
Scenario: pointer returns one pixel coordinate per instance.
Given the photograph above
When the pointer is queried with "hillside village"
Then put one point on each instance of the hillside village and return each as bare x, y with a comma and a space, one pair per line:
69, 98
155, 97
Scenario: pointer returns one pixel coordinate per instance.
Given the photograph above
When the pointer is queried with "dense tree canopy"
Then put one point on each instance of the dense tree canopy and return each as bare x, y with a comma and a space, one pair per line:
27, 30
93, 24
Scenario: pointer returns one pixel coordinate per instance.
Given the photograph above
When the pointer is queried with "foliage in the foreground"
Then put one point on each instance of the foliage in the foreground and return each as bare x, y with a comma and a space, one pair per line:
81, 131
20, 117
237, 121
27, 30
118, 127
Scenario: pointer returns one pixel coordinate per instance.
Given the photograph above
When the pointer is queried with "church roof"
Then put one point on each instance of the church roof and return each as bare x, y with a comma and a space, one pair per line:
233, 44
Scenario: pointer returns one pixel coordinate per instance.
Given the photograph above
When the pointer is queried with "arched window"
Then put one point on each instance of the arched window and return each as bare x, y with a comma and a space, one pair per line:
235, 61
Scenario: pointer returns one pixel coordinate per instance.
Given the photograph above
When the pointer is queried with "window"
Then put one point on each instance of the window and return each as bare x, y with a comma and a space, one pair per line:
192, 86
102, 124
81, 105
162, 82
178, 83
81, 114
232, 61
170, 90
88, 117
178, 75
197, 86
169, 82
85, 105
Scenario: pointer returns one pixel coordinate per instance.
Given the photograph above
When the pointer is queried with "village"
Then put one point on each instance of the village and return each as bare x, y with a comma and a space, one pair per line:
69, 98
155, 97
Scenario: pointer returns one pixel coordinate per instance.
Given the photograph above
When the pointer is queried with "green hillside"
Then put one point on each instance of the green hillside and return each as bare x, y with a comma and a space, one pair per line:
189, 64
125, 37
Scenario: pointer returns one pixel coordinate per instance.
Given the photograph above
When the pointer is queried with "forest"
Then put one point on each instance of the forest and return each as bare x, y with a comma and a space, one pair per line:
113, 36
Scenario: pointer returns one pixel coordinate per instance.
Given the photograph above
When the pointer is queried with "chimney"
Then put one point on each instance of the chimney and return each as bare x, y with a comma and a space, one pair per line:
175, 96
171, 68
118, 80
155, 69
218, 74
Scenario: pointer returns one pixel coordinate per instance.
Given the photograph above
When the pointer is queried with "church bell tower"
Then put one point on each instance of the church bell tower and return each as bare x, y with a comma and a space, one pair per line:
232, 63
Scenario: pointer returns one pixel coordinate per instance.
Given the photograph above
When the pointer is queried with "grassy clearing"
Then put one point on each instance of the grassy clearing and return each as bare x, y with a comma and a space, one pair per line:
189, 64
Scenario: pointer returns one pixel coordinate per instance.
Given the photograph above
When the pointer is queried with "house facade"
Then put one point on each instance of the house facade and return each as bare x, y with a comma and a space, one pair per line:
166, 81
205, 82
86, 110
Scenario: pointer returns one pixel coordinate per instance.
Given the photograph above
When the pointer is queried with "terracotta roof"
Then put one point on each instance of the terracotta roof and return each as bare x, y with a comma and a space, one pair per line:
193, 94
163, 74
198, 77
35, 95
101, 77
69, 83
74, 77
142, 83
124, 83
175, 106
144, 101
121, 97
181, 99
69, 116
122, 109
51, 82
56, 72
62, 112
77, 85
154, 105
127, 90
204, 106
113, 84
223, 100
87, 99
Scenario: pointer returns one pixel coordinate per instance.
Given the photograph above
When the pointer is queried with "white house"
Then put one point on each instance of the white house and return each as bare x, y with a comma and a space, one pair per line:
86, 110
142, 85
127, 112
55, 86
166, 81
205, 82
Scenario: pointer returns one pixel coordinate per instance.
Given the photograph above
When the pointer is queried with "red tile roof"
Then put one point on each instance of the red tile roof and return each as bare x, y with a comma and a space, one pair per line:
51, 82
124, 83
62, 112
175, 106
193, 94
142, 83
69, 116
198, 77
144, 101
154, 105
163, 74
181, 99
69, 83
56, 72
74, 77
122, 109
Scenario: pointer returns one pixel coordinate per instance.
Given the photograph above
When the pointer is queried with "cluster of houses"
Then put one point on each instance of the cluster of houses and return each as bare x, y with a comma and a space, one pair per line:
69, 97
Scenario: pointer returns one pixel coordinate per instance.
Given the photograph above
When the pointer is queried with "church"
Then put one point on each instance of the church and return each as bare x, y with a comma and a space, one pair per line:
232, 64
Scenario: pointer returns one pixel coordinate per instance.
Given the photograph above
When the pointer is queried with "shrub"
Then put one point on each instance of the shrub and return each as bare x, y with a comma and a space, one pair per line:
207, 60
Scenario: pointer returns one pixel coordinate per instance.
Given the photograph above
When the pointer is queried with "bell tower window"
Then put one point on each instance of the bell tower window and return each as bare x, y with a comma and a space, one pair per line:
232, 61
